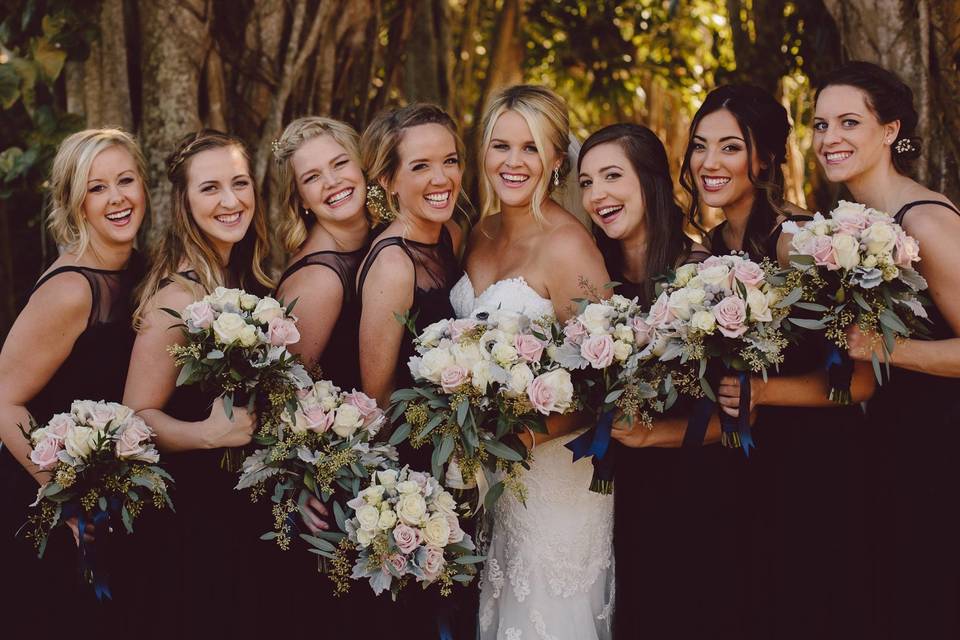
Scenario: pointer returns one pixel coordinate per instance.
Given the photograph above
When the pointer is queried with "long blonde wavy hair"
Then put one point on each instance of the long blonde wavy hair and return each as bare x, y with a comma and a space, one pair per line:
547, 116
68, 182
294, 221
185, 243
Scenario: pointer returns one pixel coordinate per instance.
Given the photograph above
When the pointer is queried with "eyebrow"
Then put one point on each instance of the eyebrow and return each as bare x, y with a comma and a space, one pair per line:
851, 113
452, 154
492, 140
723, 139
89, 180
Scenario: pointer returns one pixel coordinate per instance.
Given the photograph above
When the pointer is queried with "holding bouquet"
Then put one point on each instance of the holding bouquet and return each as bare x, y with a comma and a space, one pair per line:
320, 442
103, 468
404, 526
237, 345
856, 267
726, 312
479, 383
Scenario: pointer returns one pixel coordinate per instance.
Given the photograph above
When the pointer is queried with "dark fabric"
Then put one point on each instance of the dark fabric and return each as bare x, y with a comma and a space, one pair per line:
340, 361
914, 479
95, 369
805, 518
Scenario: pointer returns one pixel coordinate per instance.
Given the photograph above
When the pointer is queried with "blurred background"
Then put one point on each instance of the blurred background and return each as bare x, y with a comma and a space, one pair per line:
163, 69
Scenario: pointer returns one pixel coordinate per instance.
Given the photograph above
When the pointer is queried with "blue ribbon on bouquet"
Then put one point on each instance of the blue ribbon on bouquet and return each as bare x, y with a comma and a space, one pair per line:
596, 442
91, 553
735, 431
839, 366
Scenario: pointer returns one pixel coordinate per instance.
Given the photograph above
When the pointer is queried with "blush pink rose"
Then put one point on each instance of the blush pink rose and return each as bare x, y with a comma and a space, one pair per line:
821, 248
199, 314
528, 347
364, 403
419, 478
318, 420
60, 425
598, 350
452, 377
433, 563
906, 251
406, 537
660, 313
749, 273
44, 455
461, 326
712, 261
456, 533
641, 330
575, 332
731, 314
281, 332
399, 562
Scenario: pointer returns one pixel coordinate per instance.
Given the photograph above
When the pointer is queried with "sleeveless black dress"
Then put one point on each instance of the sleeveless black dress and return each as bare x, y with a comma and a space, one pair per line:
95, 369
673, 532
914, 422
422, 614
807, 562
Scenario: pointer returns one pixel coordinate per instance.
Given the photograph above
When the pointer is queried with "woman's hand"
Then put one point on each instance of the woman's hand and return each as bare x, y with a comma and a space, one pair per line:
74, 525
862, 345
313, 514
728, 395
221, 431
633, 435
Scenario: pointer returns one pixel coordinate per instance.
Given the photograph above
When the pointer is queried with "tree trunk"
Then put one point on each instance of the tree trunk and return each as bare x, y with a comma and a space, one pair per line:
425, 64
175, 40
106, 84
260, 66
216, 91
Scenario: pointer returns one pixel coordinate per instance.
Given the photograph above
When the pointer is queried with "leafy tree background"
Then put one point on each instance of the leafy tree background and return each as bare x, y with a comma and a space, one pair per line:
162, 69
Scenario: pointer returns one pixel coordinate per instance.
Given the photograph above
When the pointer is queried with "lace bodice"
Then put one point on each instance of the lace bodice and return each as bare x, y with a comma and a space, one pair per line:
512, 294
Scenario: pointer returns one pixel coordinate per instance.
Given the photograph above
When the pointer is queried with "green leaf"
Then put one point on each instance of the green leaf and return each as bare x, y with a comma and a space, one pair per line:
613, 395
876, 367
49, 57
228, 405
9, 85
493, 495
400, 434
127, 520
445, 449
707, 390
470, 559
102, 503
185, 372
270, 535
339, 516
318, 543
462, 409
806, 323
892, 320
463, 577
790, 298
501, 450
310, 482
811, 306
860, 301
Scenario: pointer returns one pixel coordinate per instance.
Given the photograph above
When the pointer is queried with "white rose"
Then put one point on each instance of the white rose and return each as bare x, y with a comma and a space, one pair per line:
325, 389
819, 226
227, 328
679, 304
411, 508
759, 308
703, 321
623, 333
466, 355
718, 275
434, 362
504, 354
365, 537
696, 282
267, 309
506, 321
388, 518
480, 376
683, 275
248, 301
368, 516
248, 336
520, 377
431, 335
222, 297
879, 238
122, 413
621, 350
695, 296
347, 420
846, 250
596, 318
445, 504
551, 392
387, 478
437, 530
373, 495
80, 441
870, 262
407, 486
328, 403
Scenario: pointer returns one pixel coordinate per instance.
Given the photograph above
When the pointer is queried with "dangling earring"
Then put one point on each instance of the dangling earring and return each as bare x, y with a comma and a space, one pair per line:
556, 176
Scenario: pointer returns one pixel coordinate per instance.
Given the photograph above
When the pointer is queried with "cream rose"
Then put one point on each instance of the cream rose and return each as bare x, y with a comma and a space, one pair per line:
880, 239
80, 441
621, 350
434, 362
520, 377
407, 486
387, 478
228, 327
683, 274
679, 304
368, 516
411, 509
846, 251
623, 333
248, 336
703, 321
717, 275
267, 309
759, 309
365, 537
596, 318
222, 297
387, 520
436, 532
347, 420
504, 354
445, 504
466, 355
456, 533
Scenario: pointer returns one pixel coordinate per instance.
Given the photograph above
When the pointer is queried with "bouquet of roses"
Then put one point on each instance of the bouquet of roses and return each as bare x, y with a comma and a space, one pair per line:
856, 267
404, 526
727, 313
319, 444
237, 345
608, 345
478, 383
103, 469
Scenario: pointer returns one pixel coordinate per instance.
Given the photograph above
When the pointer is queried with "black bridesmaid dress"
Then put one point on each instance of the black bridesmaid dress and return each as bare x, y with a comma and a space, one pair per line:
804, 540
914, 422
416, 613
95, 369
675, 537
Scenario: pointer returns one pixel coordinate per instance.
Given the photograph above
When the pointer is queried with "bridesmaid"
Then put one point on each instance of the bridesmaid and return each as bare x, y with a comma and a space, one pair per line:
864, 138
208, 561
71, 341
806, 578
670, 587
414, 154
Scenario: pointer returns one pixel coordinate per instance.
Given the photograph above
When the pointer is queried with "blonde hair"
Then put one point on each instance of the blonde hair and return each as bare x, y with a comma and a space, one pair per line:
185, 243
380, 142
292, 225
547, 117
68, 182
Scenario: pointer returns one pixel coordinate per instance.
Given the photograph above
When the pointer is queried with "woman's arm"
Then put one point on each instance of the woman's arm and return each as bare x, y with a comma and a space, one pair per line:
319, 295
387, 293
152, 379
666, 433
39, 342
573, 268
937, 230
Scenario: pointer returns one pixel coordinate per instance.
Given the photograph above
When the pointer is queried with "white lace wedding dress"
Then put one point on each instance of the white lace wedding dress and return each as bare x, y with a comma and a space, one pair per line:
549, 569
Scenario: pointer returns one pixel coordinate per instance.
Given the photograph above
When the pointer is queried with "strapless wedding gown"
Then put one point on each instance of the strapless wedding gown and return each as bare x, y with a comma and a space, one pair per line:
549, 568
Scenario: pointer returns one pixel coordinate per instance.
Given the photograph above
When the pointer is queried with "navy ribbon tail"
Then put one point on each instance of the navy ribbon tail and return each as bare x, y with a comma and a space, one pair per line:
736, 431
91, 553
697, 423
839, 366
596, 442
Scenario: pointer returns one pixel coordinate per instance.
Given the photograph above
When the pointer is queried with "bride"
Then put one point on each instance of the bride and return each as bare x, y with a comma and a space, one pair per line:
549, 572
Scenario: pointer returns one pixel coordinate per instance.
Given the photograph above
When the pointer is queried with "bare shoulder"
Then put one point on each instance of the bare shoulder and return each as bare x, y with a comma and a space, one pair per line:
391, 268
64, 294
566, 237
931, 220
310, 285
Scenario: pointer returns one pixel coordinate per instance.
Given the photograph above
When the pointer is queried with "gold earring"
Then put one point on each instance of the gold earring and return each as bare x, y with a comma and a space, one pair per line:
556, 176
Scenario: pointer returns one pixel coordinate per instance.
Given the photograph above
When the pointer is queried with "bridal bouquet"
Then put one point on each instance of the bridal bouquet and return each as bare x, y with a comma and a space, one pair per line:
103, 469
321, 443
237, 345
478, 382
608, 347
856, 267
726, 313
404, 526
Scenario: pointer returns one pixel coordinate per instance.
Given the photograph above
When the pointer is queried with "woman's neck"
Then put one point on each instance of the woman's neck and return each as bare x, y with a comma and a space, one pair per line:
881, 187
101, 255
737, 216
634, 250
419, 229
518, 220
346, 235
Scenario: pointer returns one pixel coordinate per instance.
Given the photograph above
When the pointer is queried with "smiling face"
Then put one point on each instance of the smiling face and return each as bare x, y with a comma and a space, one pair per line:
848, 138
115, 202
329, 181
427, 181
611, 191
512, 162
719, 161
221, 196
